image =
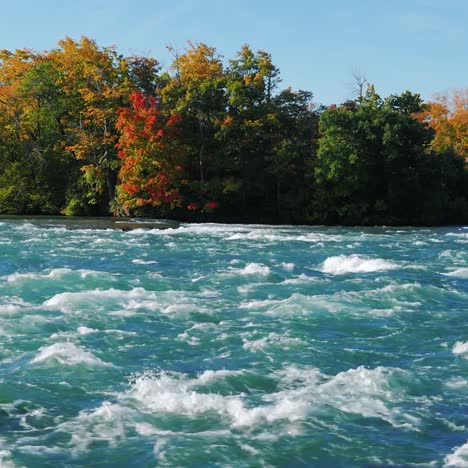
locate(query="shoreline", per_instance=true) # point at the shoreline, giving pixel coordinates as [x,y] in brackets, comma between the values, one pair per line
[130,223]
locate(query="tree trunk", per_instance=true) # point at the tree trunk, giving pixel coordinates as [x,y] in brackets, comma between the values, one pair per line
[201,152]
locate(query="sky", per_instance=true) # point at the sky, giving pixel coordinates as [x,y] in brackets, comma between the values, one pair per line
[420,45]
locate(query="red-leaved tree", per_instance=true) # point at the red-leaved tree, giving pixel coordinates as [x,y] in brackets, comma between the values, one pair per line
[152,170]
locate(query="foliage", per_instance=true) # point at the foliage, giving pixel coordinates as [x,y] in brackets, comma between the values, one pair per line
[151,168]
[376,164]
[85,130]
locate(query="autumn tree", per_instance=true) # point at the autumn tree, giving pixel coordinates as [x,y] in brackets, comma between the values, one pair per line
[85,130]
[92,83]
[447,115]
[152,158]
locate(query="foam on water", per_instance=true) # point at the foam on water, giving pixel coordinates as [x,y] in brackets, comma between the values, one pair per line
[272,339]
[461,347]
[86,330]
[68,354]
[245,344]
[56,274]
[138,261]
[127,302]
[343,264]
[457,459]
[136,297]
[107,423]
[457,382]
[459,272]
[13,305]
[365,392]
[255,269]
[5,459]
[463,235]
[175,394]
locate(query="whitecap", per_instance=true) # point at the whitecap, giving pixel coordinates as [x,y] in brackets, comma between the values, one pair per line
[457,382]
[209,376]
[255,269]
[460,347]
[458,458]
[255,304]
[86,330]
[14,305]
[463,235]
[301,279]
[56,273]
[366,392]
[133,299]
[166,393]
[68,354]
[138,261]
[460,273]
[343,264]
[272,339]
[5,459]
[105,423]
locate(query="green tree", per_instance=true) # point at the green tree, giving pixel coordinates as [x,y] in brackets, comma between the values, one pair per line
[32,112]
[196,91]
[250,131]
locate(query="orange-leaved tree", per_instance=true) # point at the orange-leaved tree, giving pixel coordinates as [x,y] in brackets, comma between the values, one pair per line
[94,87]
[447,114]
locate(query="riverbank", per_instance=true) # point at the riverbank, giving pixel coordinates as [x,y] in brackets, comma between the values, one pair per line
[131,223]
[78,222]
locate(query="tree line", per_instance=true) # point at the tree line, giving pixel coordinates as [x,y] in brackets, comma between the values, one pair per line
[85,130]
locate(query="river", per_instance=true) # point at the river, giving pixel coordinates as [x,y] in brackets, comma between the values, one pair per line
[232,345]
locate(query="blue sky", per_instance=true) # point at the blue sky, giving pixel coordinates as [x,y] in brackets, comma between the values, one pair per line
[421,45]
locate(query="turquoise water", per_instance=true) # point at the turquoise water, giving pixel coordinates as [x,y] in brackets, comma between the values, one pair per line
[217,345]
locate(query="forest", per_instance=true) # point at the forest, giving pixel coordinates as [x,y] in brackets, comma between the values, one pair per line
[86,131]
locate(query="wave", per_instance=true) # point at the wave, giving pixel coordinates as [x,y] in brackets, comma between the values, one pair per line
[137,297]
[251,232]
[272,339]
[381,301]
[138,261]
[276,235]
[83,330]
[343,264]
[457,459]
[128,302]
[460,273]
[68,354]
[461,347]
[255,269]
[5,459]
[56,273]
[463,235]
[86,330]
[13,305]
[365,392]
[111,421]
[105,423]
[457,382]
